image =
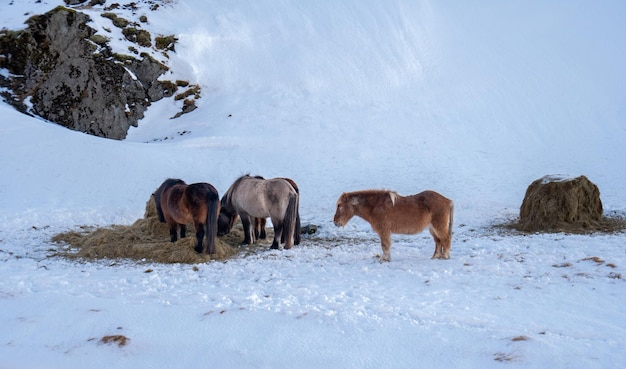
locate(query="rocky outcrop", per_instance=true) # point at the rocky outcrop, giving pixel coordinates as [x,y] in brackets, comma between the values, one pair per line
[62,71]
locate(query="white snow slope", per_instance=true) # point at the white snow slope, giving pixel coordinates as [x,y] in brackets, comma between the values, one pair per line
[472,100]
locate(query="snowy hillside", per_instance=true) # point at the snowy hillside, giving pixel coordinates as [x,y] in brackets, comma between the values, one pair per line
[474,102]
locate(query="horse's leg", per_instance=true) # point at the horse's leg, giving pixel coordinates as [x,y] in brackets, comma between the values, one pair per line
[385,243]
[183,231]
[199,237]
[440,230]
[173,232]
[444,243]
[445,233]
[438,248]
[278,233]
[259,228]
[246,222]
[263,233]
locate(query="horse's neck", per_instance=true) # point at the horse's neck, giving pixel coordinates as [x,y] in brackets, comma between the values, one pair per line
[366,215]
[365,208]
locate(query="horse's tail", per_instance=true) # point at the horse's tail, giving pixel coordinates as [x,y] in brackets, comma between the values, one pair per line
[297,237]
[451,221]
[212,214]
[289,221]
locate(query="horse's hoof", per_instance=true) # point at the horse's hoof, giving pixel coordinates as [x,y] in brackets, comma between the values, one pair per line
[273,247]
[383,258]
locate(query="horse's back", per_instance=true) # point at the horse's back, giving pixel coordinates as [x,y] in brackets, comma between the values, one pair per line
[168,183]
[430,199]
[292,183]
[423,206]
[262,198]
[282,185]
[200,191]
[433,205]
[198,196]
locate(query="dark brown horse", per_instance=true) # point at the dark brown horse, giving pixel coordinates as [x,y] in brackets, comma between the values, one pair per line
[253,197]
[387,213]
[178,203]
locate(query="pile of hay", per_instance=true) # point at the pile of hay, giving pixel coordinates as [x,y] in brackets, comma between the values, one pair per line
[557,204]
[146,240]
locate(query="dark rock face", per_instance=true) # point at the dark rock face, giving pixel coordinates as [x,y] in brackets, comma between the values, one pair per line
[66,76]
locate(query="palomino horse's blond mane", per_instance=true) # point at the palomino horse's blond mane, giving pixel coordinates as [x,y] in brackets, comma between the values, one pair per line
[393,195]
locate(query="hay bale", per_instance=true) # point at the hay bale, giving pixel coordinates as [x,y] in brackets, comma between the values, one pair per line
[556,204]
[151,210]
[146,240]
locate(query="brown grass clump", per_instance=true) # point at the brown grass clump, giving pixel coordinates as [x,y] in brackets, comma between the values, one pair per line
[118,339]
[595,259]
[145,240]
[573,205]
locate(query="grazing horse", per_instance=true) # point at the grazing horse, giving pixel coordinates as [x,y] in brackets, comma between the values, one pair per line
[251,197]
[387,213]
[259,223]
[230,218]
[178,203]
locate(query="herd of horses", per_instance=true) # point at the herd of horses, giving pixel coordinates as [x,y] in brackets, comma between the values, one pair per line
[253,199]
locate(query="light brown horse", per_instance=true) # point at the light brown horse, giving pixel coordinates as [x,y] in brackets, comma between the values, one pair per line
[387,213]
[178,203]
[252,197]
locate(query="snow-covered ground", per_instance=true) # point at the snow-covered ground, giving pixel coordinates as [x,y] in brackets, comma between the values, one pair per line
[475,102]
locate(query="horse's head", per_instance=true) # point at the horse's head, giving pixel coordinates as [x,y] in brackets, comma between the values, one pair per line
[346,208]
[226,219]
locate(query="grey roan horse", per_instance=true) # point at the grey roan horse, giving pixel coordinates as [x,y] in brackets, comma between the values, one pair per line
[253,197]
[259,223]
